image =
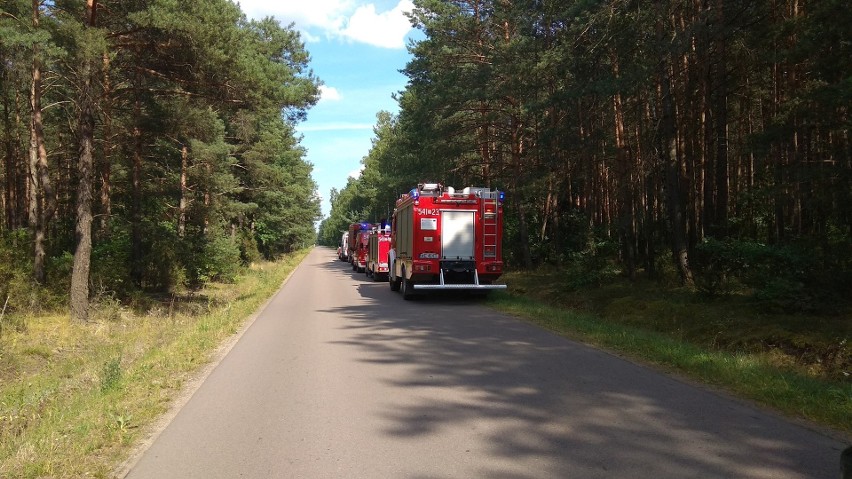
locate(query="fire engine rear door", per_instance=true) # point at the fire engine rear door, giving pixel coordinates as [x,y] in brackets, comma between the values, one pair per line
[457,237]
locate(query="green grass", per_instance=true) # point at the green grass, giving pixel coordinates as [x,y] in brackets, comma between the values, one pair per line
[796,364]
[74,398]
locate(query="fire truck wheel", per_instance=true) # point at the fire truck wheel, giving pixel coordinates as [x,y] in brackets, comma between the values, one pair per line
[405,288]
[393,280]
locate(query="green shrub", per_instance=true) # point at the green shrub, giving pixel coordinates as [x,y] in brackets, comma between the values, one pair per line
[110,374]
[213,257]
[788,276]
[716,264]
[106,306]
[249,252]
[222,255]
[111,264]
[18,292]
[164,259]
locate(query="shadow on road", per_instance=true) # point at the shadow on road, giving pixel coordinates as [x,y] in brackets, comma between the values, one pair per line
[575,410]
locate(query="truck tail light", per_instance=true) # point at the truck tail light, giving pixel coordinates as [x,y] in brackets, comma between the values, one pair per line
[422,267]
[493,268]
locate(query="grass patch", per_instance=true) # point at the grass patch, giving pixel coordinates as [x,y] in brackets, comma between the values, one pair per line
[794,363]
[75,398]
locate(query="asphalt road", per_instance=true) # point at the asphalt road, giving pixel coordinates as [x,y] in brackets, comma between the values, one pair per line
[340,378]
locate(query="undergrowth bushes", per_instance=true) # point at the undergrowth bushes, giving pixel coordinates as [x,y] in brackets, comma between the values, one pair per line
[789,277]
[18,290]
[166,264]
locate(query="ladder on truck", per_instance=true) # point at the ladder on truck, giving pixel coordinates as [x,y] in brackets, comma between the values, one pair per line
[489,225]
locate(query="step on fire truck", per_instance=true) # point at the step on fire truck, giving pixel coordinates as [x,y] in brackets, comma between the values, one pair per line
[443,239]
[377,252]
[359,233]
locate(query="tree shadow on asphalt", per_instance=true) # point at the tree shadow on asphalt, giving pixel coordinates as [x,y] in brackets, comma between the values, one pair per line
[571,409]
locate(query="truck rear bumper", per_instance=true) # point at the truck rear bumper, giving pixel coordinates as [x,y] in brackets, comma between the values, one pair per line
[472,286]
[459,286]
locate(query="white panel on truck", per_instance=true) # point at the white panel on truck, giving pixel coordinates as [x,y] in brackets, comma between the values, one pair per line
[457,234]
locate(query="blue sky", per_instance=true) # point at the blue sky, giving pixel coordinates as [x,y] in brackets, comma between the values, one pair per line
[357,48]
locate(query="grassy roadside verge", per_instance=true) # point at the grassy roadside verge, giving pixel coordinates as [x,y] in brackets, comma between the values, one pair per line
[75,398]
[767,376]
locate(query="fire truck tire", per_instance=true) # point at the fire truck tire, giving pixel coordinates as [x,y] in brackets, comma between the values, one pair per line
[405,288]
[393,280]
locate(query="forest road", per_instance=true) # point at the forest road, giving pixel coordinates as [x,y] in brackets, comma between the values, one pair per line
[338,377]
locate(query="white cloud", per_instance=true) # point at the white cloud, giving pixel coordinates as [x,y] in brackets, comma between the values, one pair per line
[329,93]
[356,20]
[325,14]
[356,173]
[308,38]
[386,29]
[334,126]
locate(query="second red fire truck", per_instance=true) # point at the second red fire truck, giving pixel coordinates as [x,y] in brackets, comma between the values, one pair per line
[359,234]
[377,252]
[444,239]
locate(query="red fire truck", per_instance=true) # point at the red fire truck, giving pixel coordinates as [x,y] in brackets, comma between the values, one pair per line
[359,234]
[377,252]
[444,239]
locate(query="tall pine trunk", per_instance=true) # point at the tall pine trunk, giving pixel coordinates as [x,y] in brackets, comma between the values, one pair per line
[523,226]
[184,191]
[85,164]
[672,164]
[624,179]
[106,165]
[10,157]
[136,266]
[41,192]
[719,106]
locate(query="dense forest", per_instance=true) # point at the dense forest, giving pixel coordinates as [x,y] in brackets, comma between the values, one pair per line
[706,139]
[146,145]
